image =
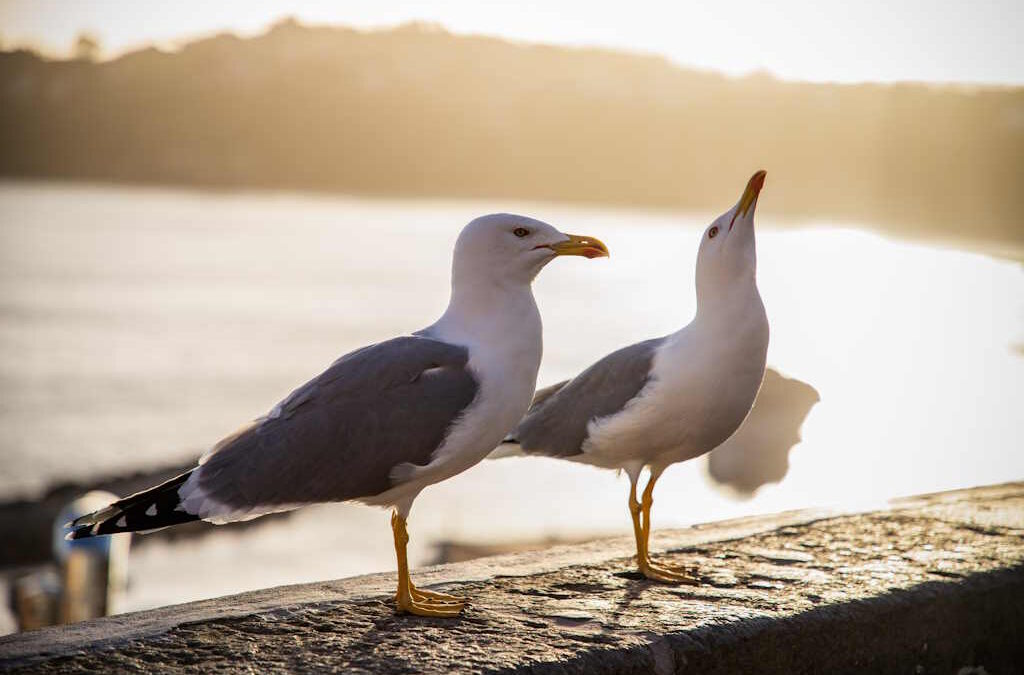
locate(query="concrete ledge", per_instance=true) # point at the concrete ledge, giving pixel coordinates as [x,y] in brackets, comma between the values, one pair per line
[934,584]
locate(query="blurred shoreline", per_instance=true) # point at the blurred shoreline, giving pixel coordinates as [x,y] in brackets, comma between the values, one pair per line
[417,112]
[1002,248]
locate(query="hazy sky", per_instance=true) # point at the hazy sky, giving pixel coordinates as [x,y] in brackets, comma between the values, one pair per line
[843,40]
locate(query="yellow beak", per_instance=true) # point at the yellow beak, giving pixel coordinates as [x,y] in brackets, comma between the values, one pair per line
[754,186]
[588,247]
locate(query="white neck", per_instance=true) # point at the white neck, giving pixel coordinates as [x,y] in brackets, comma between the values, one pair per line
[492,317]
[727,302]
[501,327]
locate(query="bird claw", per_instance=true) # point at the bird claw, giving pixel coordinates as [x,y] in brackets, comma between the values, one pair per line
[434,597]
[419,594]
[427,607]
[669,575]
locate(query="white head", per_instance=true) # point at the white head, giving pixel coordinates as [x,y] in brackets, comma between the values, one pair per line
[504,249]
[727,258]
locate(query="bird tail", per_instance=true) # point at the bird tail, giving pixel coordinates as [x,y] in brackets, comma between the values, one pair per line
[145,511]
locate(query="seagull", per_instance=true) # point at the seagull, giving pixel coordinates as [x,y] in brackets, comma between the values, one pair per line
[669,399]
[385,421]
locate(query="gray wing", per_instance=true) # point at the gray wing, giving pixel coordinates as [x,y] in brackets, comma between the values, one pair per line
[339,436]
[556,424]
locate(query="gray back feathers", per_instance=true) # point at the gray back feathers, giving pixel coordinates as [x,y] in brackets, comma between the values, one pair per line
[556,424]
[339,436]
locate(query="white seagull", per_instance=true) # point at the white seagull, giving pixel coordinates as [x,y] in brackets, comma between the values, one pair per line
[672,398]
[385,421]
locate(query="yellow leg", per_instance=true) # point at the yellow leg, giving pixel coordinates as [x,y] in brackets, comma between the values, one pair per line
[641,513]
[638,531]
[408,598]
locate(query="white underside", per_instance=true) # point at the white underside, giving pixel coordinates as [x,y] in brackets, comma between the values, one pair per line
[703,384]
[196,501]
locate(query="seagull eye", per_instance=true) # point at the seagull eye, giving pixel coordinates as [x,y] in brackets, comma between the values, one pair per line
[520,232]
[713,232]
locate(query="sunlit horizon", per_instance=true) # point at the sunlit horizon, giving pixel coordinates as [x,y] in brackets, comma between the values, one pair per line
[955,43]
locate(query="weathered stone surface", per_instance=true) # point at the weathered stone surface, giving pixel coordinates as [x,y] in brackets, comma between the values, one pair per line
[934,585]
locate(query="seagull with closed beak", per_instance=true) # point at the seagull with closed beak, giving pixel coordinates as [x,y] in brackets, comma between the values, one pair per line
[385,421]
[673,398]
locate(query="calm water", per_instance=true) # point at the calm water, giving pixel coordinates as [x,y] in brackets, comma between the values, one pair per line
[137,326]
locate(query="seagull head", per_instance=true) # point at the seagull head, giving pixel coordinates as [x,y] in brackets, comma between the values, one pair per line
[507,248]
[727,255]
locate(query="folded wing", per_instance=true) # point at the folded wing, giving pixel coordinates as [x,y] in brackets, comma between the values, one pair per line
[339,436]
[557,422]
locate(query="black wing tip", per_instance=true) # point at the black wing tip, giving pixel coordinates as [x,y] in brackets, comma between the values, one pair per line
[114,518]
[87,519]
[97,516]
[80,532]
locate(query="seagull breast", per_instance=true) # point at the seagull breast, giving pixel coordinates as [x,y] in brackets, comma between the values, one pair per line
[702,383]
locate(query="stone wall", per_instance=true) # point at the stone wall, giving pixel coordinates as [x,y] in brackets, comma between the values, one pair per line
[934,584]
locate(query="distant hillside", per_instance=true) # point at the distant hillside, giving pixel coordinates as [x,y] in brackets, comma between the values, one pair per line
[417,111]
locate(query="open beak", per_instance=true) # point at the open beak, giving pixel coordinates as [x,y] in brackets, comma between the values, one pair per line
[588,247]
[749,197]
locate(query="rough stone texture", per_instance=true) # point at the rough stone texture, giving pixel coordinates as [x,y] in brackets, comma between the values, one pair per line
[936,584]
